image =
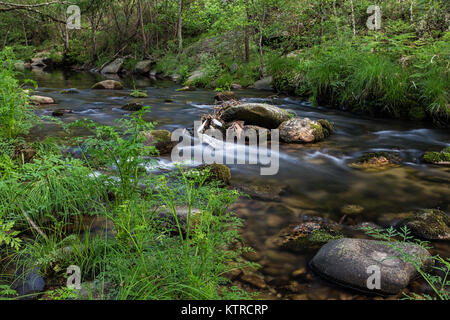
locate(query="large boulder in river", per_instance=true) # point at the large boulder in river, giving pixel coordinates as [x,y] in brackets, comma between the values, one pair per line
[143,67]
[350,262]
[113,67]
[258,114]
[304,130]
[108,84]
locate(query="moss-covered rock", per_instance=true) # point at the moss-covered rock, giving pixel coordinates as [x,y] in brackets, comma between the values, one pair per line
[430,224]
[306,235]
[218,172]
[304,130]
[376,161]
[352,209]
[161,139]
[138,94]
[442,157]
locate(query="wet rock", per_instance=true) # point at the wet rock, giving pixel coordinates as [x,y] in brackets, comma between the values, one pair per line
[304,130]
[352,209]
[258,114]
[69,91]
[441,158]
[143,67]
[113,67]
[161,139]
[187,88]
[430,224]
[61,112]
[236,86]
[225,96]
[41,100]
[306,235]
[108,84]
[376,161]
[264,84]
[133,106]
[346,262]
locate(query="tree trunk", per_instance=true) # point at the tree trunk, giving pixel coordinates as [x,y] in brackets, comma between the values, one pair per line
[180,25]
[141,22]
[353,18]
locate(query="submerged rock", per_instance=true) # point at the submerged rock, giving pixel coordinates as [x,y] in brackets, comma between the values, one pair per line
[133,106]
[348,262]
[41,100]
[258,114]
[441,158]
[161,139]
[108,84]
[352,209]
[429,224]
[376,161]
[265,192]
[304,130]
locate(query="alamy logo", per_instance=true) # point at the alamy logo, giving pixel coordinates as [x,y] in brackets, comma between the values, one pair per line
[74,279]
[374,280]
[374,21]
[74,19]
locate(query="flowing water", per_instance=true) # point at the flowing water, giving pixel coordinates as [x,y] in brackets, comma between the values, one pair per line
[315,178]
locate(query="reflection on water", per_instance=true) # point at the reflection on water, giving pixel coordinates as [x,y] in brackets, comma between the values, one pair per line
[315,178]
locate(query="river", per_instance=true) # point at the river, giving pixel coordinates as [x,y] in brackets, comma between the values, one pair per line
[315,178]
